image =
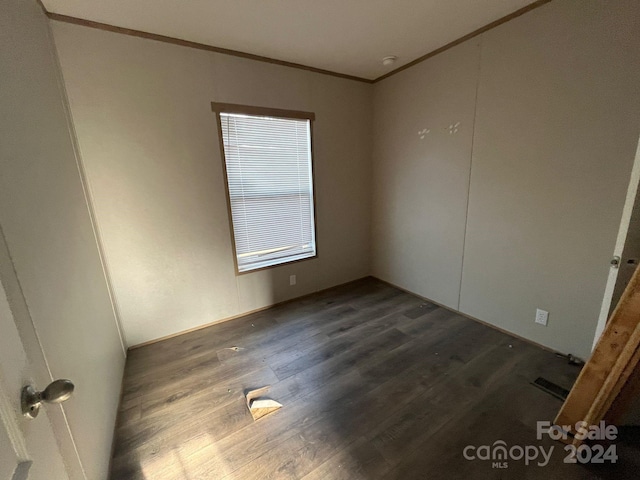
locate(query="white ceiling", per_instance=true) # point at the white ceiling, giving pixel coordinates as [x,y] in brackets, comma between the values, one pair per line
[346,36]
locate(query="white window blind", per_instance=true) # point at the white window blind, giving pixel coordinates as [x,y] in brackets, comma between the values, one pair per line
[268,163]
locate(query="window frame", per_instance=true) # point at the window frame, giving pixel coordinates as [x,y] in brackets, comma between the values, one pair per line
[219,108]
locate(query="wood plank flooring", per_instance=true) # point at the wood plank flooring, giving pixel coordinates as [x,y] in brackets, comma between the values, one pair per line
[375,383]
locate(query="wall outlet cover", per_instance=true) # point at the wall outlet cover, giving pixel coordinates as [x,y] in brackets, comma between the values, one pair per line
[292,279]
[542,317]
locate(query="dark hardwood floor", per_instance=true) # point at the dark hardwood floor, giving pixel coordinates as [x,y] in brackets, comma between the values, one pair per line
[375,383]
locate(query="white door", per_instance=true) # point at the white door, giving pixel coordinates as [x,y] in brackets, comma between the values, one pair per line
[627,249]
[630,255]
[28,447]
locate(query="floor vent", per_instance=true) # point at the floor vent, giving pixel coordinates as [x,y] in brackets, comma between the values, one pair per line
[551,388]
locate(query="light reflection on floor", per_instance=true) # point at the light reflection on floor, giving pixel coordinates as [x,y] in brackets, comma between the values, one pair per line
[197,452]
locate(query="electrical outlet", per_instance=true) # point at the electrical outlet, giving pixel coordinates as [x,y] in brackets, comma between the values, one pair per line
[292,279]
[542,316]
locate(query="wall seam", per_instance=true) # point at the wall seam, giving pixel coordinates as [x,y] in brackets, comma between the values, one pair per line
[473,137]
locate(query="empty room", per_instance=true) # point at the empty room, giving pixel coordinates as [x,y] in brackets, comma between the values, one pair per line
[296,239]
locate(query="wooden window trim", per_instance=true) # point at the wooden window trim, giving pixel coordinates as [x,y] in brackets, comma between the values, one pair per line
[262,111]
[219,108]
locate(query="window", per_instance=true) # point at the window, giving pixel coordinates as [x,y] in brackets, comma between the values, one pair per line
[269,177]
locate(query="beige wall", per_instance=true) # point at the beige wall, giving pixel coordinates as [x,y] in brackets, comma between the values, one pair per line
[50,240]
[149,144]
[556,125]
[499,172]
[422,136]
